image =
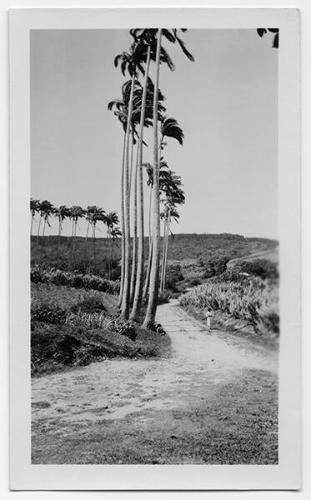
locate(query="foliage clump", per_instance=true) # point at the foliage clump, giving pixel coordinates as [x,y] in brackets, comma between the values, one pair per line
[214,266]
[76,280]
[174,275]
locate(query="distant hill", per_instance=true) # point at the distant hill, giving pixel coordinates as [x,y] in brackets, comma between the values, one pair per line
[182,247]
[206,246]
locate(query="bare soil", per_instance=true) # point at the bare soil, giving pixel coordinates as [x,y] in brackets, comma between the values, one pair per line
[213,400]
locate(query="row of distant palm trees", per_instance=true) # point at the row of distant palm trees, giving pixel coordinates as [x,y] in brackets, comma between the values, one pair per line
[141,106]
[92,214]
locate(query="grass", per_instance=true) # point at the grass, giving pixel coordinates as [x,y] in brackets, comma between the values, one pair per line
[72,328]
[238,424]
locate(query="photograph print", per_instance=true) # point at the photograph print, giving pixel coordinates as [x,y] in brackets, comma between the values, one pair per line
[154,246]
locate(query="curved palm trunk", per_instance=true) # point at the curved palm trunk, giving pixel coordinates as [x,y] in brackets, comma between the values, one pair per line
[149,221]
[166,248]
[32,219]
[43,227]
[147,278]
[122,225]
[59,234]
[127,249]
[154,272]
[110,251]
[140,264]
[134,246]
[163,255]
[38,232]
[165,251]
[131,159]
[94,246]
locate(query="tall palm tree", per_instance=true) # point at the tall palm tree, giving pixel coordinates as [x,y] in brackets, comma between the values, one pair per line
[76,212]
[145,109]
[120,106]
[97,216]
[61,213]
[46,210]
[130,62]
[149,171]
[144,104]
[121,111]
[171,187]
[153,287]
[34,209]
[89,214]
[173,37]
[111,221]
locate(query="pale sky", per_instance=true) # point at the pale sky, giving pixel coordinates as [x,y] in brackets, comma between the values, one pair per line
[226,103]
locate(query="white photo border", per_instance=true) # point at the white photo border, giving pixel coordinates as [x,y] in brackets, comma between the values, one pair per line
[285,475]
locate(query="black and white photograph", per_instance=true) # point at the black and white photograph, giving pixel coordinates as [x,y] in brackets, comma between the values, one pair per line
[154,245]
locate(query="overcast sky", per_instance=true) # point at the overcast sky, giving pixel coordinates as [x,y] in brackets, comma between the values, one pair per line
[226,103]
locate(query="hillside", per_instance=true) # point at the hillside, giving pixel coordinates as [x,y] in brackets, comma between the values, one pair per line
[182,247]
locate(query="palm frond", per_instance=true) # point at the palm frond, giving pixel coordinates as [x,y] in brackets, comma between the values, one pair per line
[170,128]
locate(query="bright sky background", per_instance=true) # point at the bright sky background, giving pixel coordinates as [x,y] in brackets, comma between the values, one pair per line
[226,103]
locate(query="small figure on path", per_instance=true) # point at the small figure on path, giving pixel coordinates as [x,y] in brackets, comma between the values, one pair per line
[208,315]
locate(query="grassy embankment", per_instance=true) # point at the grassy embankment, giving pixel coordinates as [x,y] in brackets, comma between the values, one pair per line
[243,298]
[73,327]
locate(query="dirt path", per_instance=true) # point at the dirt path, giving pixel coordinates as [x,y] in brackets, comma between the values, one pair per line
[124,411]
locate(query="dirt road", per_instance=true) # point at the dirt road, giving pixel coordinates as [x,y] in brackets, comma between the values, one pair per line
[213,401]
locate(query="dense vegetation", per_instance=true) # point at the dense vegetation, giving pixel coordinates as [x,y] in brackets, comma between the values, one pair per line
[70,327]
[73,279]
[187,249]
[248,291]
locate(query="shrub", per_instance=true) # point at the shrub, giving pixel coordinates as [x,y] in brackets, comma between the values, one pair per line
[57,277]
[125,327]
[49,343]
[36,275]
[195,281]
[48,313]
[164,297]
[173,276]
[215,266]
[76,280]
[90,303]
[263,268]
